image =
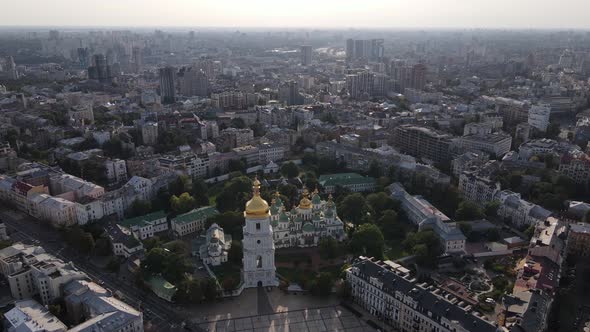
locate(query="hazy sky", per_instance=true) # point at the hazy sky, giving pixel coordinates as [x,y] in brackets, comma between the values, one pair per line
[299,13]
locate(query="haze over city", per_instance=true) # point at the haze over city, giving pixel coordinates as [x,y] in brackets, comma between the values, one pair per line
[540,14]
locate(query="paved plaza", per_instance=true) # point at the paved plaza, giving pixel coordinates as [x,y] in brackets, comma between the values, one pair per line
[307,320]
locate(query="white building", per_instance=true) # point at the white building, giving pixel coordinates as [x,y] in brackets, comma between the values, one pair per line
[518,211]
[389,293]
[497,144]
[144,227]
[192,221]
[478,189]
[116,170]
[258,243]
[31,316]
[539,116]
[217,244]
[31,271]
[123,243]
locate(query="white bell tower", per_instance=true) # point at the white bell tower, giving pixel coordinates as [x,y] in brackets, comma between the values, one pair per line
[258,244]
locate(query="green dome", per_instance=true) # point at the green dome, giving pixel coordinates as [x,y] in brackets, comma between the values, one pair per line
[329,213]
[308,227]
[316,199]
[283,217]
[316,217]
[274,209]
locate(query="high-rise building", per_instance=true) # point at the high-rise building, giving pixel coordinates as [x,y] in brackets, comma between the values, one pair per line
[289,93]
[539,116]
[83,57]
[422,142]
[360,85]
[149,133]
[167,85]
[8,68]
[137,55]
[306,51]
[258,243]
[369,49]
[100,70]
[194,82]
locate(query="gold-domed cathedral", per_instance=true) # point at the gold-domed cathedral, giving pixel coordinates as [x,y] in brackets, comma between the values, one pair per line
[258,243]
[305,224]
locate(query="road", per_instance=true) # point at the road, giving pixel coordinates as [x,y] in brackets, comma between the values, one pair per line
[27,229]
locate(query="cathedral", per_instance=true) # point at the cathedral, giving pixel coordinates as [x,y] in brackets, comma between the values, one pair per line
[267,227]
[305,224]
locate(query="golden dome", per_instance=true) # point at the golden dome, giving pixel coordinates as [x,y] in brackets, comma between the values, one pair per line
[305,203]
[256,207]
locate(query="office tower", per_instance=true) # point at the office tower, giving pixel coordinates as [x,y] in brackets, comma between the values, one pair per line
[418,76]
[370,49]
[379,85]
[167,85]
[349,49]
[99,70]
[137,58]
[83,57]
[306,55]
[289,93]
[360,85]
[194,82]
[8,70]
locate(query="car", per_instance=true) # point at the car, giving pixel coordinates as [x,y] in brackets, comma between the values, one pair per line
[489,300]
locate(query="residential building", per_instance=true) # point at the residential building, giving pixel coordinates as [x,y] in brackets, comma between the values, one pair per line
[31,316]
[389,293]
[145,227]
[306,52]
[478,188]
[81,115]
[575,166]
[193,82]
[116,170]
[61,183]
[190,164]
[467,161]
[3,233]
[578,240]
[270,152]
[123,242]
[350,181]
[539,116]
[496,144]
[192,221]
[477,128]
[549,240]
[149,133]
[167,84]
[518,211]
[422,142]
[30,271]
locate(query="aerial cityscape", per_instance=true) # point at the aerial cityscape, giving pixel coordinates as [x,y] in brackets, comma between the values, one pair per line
[196,169]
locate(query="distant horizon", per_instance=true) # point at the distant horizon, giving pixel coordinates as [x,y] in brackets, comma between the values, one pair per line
[332,14]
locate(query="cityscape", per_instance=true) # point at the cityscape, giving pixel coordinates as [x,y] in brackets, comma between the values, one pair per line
[264,173]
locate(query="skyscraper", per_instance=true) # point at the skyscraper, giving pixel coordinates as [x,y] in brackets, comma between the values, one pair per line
[99,70]
[167,85]
[360,85]
[369,49]
[289,93]
[137,55]
[349,49]
[306,55]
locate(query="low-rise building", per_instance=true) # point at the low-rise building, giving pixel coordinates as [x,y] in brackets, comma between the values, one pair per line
[123,243]
[192,221]
[518,211]
[31,316]
[350,181]
[162,288]
[214,250]
[144,227]
[496,144]
[478,188]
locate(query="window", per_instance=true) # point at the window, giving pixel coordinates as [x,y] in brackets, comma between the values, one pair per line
[259,262]
[258,241]
[257,226]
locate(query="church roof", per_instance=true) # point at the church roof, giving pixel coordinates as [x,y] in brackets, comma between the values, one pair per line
[308,227]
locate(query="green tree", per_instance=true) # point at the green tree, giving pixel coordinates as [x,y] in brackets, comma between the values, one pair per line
[425,245]
[140,208]
[491,208]
[367,240]
[234,194]
[391,226]
[380,202]
[375,169]
[237,123]
[231,222]
[183,203]
[468,211]
[353,208]
[322,284]
[209,288]
[329,248]
[236,165]
[236,252]
[290,170]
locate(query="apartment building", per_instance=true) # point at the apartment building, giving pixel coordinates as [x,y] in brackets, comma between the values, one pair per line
[422,142]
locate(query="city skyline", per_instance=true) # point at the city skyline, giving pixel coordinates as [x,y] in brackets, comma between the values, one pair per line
[526,14]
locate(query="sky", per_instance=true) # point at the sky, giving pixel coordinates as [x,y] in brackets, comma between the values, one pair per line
[542,14]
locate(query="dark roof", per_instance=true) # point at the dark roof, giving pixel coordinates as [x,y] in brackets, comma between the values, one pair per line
[427,301]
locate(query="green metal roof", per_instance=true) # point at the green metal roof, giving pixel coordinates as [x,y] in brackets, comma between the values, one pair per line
[316,199]
[308,227]
[160,285]
[196,214]
[344,179]
[143,220]
[283,217]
